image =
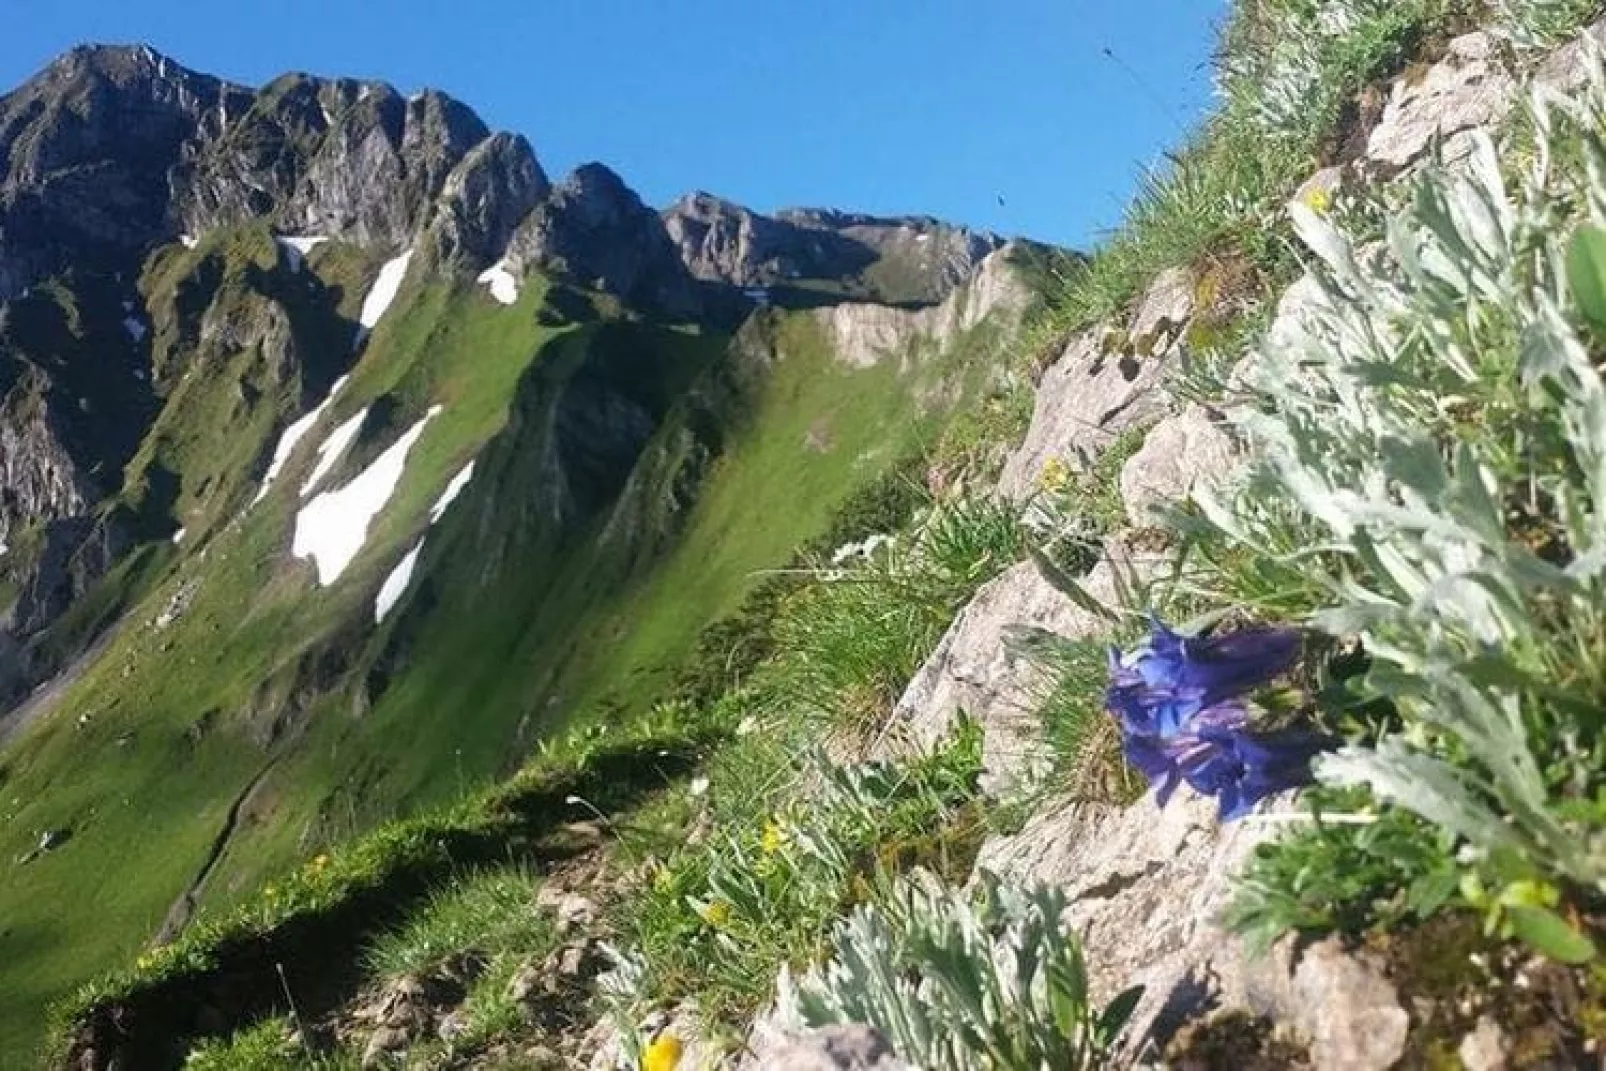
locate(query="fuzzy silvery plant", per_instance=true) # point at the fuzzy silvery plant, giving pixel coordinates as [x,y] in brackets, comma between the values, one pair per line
[1279,67]
[1431,437]
[967,980]
[1542,23]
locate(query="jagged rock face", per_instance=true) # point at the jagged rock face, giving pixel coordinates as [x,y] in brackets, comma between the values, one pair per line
[85,151]
[110,151]
[907,260]
[343,158]
[486,196]
[593,230]
[919,259]
[724,242]
[40,480]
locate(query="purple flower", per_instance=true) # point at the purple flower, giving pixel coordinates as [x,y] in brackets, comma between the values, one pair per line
[1179,702]
[1166,762]
[1240,768]
[1220,756]
[1158,688]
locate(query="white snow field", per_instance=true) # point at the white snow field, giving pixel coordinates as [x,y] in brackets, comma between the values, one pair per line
[332,528]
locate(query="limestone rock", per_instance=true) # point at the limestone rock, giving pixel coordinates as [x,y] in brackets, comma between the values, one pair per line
[973,670]
[1164,312]
[595,231]
[836,1048]
[1347,1009]
[919,260]
[1486,1048]
[485,197]
[1147,887]
[863,334]
[909,260]
[1469,88]
[1178,453]
[1146,884]
[1085,399]
[1567,69]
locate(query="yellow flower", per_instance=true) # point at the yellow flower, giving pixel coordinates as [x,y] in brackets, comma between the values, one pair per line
[269,892]
[662,1054]
[1055,477]
[1319,200]
[775,837]
[318,864]
[717,913]
[145,962]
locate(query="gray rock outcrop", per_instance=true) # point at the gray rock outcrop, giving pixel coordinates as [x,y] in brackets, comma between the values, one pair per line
[497,184]
[911,260]
[1178,454]
[594,230]
[862,334]
[1469,88]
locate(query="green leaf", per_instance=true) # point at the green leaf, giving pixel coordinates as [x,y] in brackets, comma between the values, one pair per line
[1550,934]
[1586,273]
[1117,1012]
[1062,582]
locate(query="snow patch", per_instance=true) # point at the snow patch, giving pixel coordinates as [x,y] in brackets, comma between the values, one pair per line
[331,449]
[331,528]
[297,246]
[178,536]
[381,294]
[188,241]
[504,285]
[293,435]
[395,585]
[453,488]
[135,329]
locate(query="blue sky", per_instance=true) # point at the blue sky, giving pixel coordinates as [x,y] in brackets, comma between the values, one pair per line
[937,107]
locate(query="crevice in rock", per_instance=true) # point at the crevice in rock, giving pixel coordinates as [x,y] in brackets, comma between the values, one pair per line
[1116,884]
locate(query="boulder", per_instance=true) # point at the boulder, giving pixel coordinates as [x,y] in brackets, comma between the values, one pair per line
[1467,89]
[1178,453]
[1084,400]
[1567,69]
[835,1048]
[1166,308]
[1147,886]
[975,671]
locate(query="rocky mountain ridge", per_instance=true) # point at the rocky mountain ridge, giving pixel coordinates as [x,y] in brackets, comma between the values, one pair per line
[336,436]
[112,152]
[117,149]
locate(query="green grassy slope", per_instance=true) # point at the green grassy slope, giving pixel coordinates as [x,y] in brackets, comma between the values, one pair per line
[568,580]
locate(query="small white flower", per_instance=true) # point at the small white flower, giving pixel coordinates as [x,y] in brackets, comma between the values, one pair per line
[747,727]
[698,786]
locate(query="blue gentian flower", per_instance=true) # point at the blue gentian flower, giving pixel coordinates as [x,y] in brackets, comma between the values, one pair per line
[1160,686]
[1167,762]
[1240,768]
[1179,702]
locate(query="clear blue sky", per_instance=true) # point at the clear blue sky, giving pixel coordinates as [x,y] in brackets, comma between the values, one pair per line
[888,106]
